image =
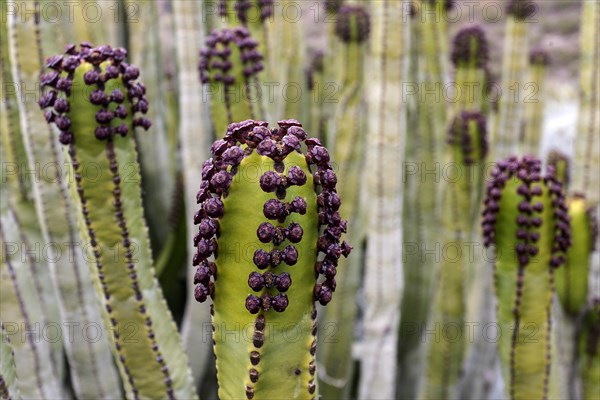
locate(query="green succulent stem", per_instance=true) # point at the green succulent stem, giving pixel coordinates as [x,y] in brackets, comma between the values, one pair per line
[66,286]
[507,128]
[9,386]
[383,275]
[262,228]
[526,219]
[94,128]
[531,138]
[590,352]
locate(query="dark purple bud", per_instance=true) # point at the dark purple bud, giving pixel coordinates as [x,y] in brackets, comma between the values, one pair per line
[253,304]
[262,259]
[205,248]
[208,228]
[320,154]
[102,132]
[525,207]
[256,281]
[202,275]
[233,155]
[111,72]
[131,73]
[283,282]
[64,84]
[276,256]
[201,293]
[536,191]
[61,106]
[98,97]
[267,148]
[290,255]
[328,179]
[298,205]
[265,300]
[142,122]
[328,269]
[47,99]
[521,234]
[291,142]
[280,302]
[536,221]
[296,176]
[274,209]
[121,111]
[538,207]
[270,181]
[62,122]
[325,295]
[54,62]
[294,232]
[346,249]
[265,232]
[49,79]
[65,138]
[219,147]
[104,116]
[269,279]
[298,132]
[122,130]
[91,77]
[221,181]
[117,96]
[214,208]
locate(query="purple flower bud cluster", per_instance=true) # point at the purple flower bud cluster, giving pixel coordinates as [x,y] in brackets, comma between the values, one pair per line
[532,187]
[244,7]
[539,56]
[353,24]
[521,9]
[240,140]
[216,63]
[470,47]
[459,134]
[59,78]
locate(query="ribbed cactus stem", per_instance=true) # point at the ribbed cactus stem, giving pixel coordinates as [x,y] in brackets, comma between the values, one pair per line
[562,167]
[383,276]
[526,218]
[572,280]
[508,127]
[467,150]
[590,352]
[9,388]
[260,218]
[531,137]
[587,153]
[470,57]
[92,97]
[228,67]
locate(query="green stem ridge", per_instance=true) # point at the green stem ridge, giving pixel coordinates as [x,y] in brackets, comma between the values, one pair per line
[91,96]
[227,225]
[590,352]
[9,388]
[229,65]
[525,217]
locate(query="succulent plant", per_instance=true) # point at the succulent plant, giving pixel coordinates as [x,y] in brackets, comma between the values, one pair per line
[508,127]
[45,216]
[470,55]
[467,139]
[590,352]
[228,65]
[531,136]
[92,97]
[9,388]
[383,280]
[260,217]
[572,279]
[525,218]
